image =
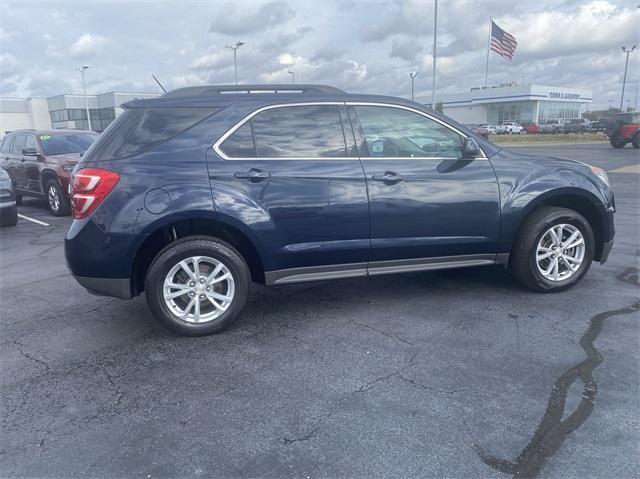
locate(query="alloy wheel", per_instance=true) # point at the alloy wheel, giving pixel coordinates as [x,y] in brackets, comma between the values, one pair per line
[560,252]
[198,289]
[54,198]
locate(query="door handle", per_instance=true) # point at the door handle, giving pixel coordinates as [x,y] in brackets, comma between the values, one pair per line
[388,177]
[254,174]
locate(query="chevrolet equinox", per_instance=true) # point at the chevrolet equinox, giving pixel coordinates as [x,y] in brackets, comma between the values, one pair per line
[192,196]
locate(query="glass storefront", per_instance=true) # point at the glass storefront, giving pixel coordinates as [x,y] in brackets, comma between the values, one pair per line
[520,111]
[559,110]
[100,118]
[533,111]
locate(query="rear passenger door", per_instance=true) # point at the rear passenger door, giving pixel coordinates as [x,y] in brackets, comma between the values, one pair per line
[289,173]
[428,204]
[16,162]
[31,167]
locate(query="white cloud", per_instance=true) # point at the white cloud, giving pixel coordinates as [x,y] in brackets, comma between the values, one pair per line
[87,44]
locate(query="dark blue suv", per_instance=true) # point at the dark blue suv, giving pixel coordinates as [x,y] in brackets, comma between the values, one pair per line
[192,196]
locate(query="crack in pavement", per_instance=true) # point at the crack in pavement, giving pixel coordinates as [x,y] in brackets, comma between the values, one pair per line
[365,387]
[384,333]
[552,429]
[26,355]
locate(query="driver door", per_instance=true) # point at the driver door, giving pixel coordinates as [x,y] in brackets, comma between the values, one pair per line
[427,203]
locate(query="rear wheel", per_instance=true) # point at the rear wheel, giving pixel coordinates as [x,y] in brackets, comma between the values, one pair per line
[18,200]
[57,200]
[197,286]
[617,143]
[554,250]
[636,141]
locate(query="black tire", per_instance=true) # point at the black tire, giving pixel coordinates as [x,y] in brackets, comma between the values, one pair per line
[185,248]
[18,200]
[616,143]
[523,257]
[636,141]
[57,201]
[8,216]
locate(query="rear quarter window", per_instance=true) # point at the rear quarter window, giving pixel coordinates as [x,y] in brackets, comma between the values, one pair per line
[139,129]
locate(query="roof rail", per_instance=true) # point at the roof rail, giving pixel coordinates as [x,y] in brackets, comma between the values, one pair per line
[209,90]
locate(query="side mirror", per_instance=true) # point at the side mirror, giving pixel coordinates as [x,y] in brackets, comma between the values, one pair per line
[471,149]
[29,152]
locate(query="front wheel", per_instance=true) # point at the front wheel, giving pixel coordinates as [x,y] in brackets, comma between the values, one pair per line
[636,141]
[616,143]
[56,200]
[553,250]
[197,286]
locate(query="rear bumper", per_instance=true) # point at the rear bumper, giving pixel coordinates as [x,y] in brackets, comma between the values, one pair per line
[114,287]
[99,261]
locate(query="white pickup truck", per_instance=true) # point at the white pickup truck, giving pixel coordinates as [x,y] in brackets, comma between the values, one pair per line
[510,128]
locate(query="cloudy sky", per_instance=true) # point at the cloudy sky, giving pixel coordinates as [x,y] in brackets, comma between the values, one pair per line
[361,46]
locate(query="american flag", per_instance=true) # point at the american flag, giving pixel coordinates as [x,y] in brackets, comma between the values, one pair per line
[503,43]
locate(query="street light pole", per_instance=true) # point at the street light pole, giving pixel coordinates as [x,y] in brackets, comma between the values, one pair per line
[86,101]
[412,75]
[234,48]
[435,38]
[626,64]
[293,77]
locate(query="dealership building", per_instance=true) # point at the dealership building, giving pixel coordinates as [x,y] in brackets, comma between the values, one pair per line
[63,111]
[521,103]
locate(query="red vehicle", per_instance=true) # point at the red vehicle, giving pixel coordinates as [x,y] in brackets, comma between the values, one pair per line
[40,162]
[531,127]
[625,128]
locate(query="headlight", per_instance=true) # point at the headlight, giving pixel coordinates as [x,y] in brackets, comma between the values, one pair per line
[600,173]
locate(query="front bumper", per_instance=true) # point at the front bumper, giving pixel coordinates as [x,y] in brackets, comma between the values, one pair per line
[606,249]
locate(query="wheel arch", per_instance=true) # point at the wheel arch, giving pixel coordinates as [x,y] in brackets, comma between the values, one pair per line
[576,199]
[167,231]
[46,175]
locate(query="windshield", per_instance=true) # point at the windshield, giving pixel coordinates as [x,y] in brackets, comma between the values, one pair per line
[64,143]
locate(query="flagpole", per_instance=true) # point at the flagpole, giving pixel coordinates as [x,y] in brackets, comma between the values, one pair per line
[435,40]
[486,73]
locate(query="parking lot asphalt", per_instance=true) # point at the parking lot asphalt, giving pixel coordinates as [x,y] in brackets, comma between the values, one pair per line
[457,373]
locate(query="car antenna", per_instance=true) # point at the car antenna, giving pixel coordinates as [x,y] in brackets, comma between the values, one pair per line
[158,82]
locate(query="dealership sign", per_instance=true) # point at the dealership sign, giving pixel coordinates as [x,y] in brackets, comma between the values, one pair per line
[564,95]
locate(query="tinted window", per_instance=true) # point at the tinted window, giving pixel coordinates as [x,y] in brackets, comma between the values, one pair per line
[393,132]
[30,142]
[60,144]
[18,144]
[313,131]
[240,144]
[139,129]
[6,144]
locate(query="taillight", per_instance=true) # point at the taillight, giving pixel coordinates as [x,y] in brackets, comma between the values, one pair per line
[88,188]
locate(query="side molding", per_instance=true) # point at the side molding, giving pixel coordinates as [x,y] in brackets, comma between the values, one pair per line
[354,270]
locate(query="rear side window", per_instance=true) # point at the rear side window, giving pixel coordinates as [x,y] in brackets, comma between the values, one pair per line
[18,144]
[6,145]
[310,131]
[240,144]
[138,129]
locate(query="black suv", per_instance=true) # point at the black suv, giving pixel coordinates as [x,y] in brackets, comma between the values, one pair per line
[192,196]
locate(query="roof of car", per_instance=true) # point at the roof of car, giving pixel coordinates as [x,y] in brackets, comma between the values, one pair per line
[49,131]
[224,95]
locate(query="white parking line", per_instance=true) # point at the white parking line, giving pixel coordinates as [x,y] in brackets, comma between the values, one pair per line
[38,222]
